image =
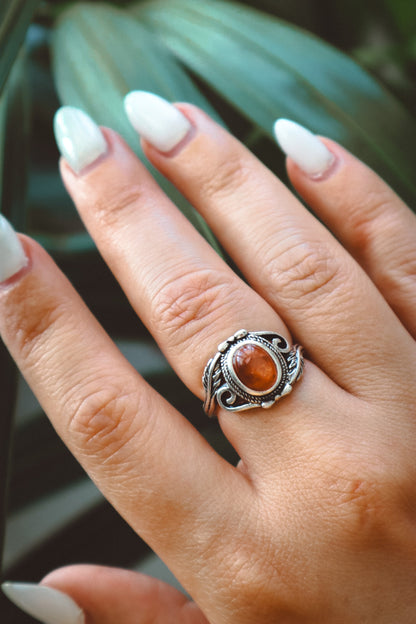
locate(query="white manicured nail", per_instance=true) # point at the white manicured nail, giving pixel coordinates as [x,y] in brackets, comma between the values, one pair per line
[156,120]
[44,603]
[79,139]
[303,147]
[12,256]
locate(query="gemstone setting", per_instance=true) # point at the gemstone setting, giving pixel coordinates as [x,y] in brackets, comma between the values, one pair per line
[251,369]
[254,367]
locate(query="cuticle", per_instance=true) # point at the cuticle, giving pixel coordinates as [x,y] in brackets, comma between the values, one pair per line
[16,277]
[108,152]
[92,165]
[189,136]
[329,171]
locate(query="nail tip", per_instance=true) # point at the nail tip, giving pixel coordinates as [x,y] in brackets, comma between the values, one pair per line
[128,104]
[301,145]
[137,96]
[12,254]
[282,122]
[79,138]
[45,603]
[64,112]
[285,127]
[156,119]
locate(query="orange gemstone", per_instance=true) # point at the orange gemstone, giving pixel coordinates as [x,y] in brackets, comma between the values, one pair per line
[255,368]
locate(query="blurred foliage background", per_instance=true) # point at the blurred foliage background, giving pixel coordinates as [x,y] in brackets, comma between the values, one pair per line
[345,69]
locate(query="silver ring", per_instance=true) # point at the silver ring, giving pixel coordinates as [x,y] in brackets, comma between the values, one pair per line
[251,369]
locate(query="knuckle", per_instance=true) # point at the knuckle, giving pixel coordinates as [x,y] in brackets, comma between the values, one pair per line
[306,269]
[190,303]
[365,221]
[361,501]
[115,205]
[37,322]
[378,216]
[370,506]
[249,574]
[245,583]
[228,177]
[104,420]
[400,275]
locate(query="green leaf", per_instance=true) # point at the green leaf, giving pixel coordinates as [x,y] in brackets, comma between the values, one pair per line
[404,15]
[412,48]
[267,69]
[14,148]
[15,17]
[13,177]
[99,55]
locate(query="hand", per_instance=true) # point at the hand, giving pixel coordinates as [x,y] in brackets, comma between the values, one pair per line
[317,522]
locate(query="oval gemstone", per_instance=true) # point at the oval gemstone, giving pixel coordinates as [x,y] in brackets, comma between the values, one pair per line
[255,368]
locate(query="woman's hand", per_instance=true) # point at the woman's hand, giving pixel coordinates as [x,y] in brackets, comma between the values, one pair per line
[317,522]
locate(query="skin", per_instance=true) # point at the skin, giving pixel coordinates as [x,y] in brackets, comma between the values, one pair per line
[317,522]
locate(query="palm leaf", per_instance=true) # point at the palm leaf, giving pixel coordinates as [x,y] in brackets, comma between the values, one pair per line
[13,178]
[267,68]
[100,54]
[15,17]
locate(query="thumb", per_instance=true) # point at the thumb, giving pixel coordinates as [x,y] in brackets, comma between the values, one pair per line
[88,594]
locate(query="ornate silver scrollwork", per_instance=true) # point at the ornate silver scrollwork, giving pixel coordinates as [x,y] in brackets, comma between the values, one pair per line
[225,388]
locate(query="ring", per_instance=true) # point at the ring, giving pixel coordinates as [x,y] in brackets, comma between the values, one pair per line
[251,369]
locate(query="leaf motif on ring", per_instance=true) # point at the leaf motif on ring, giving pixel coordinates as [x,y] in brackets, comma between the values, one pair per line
[229,403]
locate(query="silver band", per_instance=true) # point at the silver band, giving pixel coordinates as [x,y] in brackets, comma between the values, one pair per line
[231,380]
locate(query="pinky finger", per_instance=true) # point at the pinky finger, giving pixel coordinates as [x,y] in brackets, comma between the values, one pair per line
[88,594]
[363,212]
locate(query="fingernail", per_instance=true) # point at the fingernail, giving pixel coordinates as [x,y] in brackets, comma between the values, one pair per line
[44,603]
[12,255]
[156,120]
[303,147]
[79,139]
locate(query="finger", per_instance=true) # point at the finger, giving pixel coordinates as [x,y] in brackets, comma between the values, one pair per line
[110,595]
[184,292]
[150,463]
[370,220]
[287,255]
[89,594]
